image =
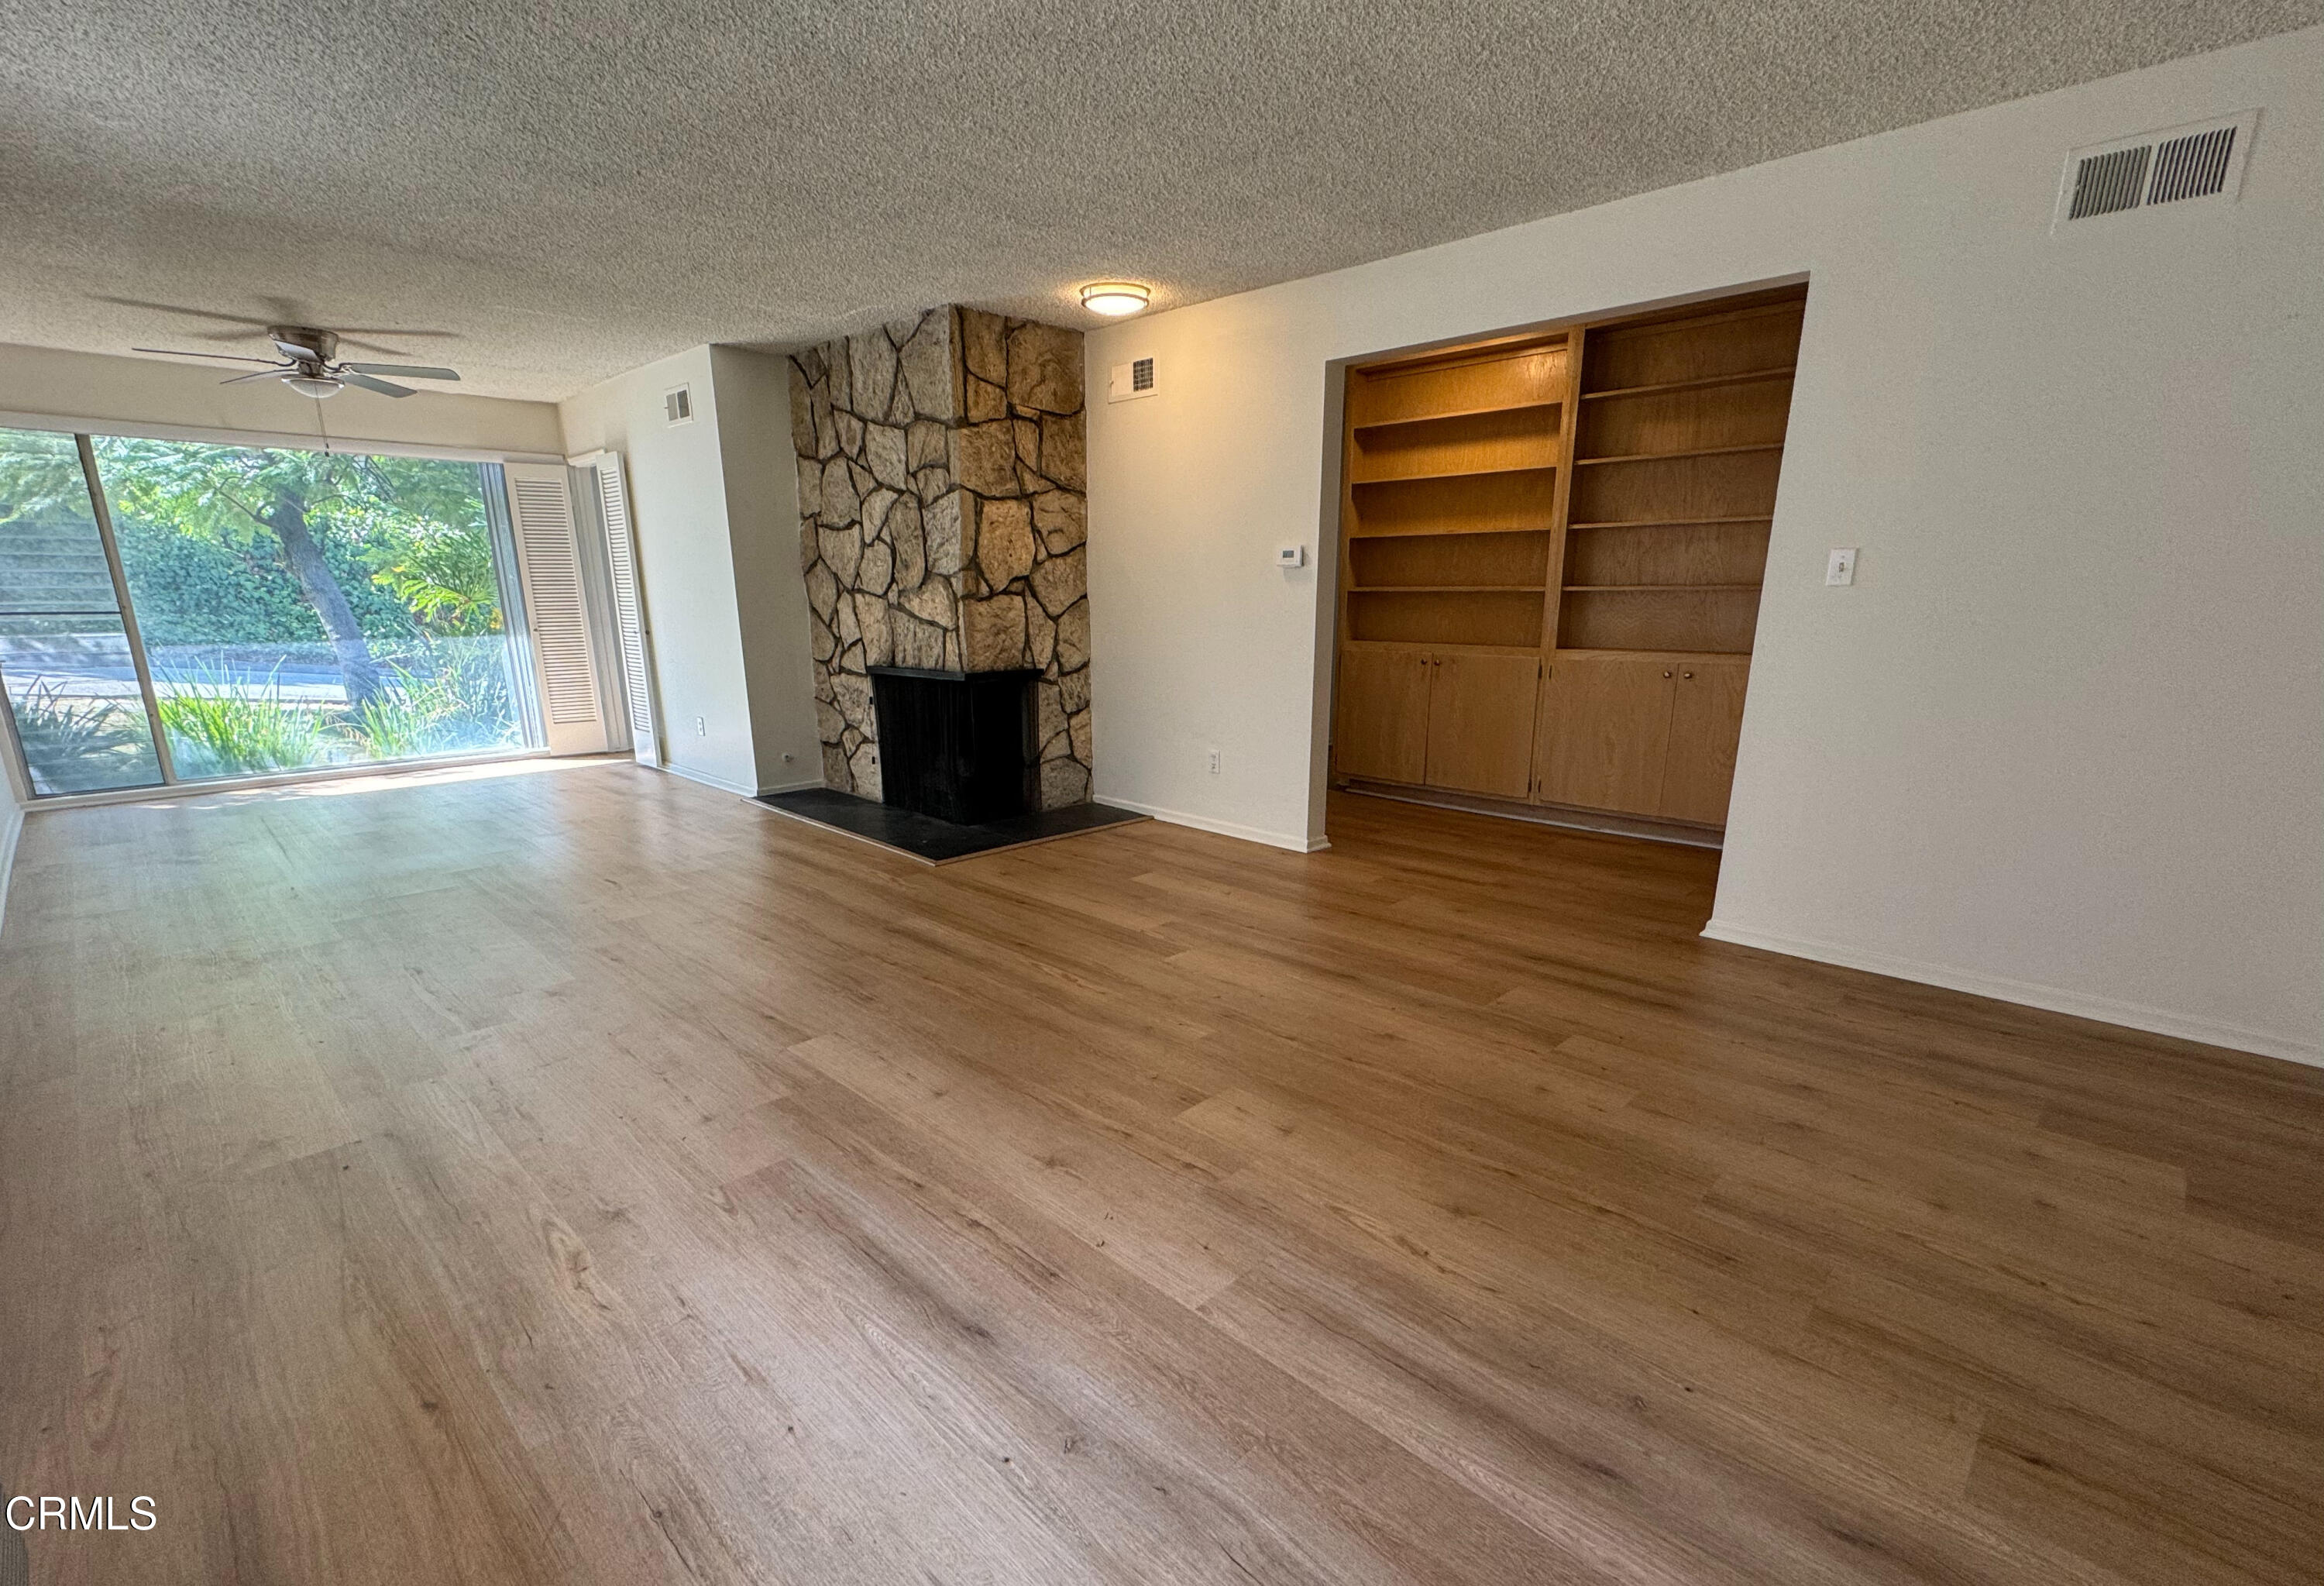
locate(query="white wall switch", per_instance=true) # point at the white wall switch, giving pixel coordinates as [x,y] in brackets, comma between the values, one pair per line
[1841,569]
[1214,762]
[1291,555]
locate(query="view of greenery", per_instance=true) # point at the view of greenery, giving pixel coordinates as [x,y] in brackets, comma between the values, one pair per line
[76,745]
[298,608]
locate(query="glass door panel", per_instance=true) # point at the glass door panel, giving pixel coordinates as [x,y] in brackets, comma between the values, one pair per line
[305,609]
[71,680]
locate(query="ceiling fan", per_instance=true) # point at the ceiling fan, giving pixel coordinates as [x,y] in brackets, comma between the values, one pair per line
[310,364]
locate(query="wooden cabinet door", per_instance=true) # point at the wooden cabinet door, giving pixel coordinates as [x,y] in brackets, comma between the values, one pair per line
[1605,732]
[1382,733]
[1480,721]
[1706,719]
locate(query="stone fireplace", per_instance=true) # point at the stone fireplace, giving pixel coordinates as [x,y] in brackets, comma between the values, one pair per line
[943,526]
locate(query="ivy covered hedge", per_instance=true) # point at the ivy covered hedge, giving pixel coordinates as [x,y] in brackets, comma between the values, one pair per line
[198,590]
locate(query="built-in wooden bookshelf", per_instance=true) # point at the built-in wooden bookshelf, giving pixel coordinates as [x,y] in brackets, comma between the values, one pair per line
[1598,497]
[1453,466]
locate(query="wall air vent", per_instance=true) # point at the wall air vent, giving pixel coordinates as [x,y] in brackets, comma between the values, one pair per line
[1133,379]
[2104,183]
[677,405]
[2174,165]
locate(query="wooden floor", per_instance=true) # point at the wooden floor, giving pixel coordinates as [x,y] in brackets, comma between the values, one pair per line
[583,1176]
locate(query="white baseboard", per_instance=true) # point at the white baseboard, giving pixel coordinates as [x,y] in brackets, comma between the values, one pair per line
[707,780]
[790,787]
[2081,1005]
[1202,823]
[12,826]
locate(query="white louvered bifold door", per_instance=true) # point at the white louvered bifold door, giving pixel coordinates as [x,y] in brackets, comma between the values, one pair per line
[548,560]
[630,620]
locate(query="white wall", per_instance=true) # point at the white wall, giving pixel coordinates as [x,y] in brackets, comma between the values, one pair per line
[155,395]
[762,474]
[2061,741]
[698,531]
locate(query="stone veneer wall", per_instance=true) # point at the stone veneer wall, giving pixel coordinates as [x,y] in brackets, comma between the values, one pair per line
[941,524]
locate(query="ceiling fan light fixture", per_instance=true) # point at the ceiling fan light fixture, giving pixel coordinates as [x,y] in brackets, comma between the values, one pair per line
[318,386]
[1115,298]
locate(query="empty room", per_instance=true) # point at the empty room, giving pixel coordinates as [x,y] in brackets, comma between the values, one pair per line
[971,794]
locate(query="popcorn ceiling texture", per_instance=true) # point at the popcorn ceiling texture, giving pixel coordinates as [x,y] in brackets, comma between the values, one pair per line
[562,193]
[941,524]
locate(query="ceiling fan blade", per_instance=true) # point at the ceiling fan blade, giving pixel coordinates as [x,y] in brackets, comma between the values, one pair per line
[406,335]
[256,325]
[381,386]
[255,375]
[229,357]
[408,371]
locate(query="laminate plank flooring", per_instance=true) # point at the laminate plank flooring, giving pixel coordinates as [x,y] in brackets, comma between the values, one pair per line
[574,1175]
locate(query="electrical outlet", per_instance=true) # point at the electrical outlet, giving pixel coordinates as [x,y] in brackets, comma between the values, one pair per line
[1841,569]
[701,728]
[1214,762]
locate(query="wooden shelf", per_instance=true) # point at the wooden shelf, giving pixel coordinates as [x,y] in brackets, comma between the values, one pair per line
[1703,383]
[1352,644]
[1451,473]
[1666,522]
[1448,588]
[1710,451]
[1479,412]
[1436,616]
[1416,531]
[1638,588]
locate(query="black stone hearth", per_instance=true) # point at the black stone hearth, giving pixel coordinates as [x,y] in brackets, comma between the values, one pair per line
[935,841]
[957,746]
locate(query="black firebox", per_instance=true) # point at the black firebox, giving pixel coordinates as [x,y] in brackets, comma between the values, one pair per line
[955,745]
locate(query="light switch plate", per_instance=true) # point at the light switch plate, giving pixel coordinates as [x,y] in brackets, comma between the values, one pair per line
[1291,555]
[1841,569]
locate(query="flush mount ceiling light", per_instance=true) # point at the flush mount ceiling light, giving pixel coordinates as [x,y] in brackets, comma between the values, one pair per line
[318,386]
[1114,298]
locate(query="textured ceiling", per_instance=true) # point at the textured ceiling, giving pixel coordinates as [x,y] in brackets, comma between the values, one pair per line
[565,192]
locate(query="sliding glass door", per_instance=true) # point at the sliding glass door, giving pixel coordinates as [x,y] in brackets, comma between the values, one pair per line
[285,609]
[73,685]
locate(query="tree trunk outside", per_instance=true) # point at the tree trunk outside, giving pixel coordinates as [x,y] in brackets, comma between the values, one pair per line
[287,517]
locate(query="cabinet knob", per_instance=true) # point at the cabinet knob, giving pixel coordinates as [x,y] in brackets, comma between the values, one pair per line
[1686,674]
[1665,671]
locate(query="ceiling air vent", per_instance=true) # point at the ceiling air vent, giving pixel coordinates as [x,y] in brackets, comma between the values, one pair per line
[2203,160]
[1133,379]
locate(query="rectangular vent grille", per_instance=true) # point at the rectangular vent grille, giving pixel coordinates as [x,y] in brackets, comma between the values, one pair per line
[1133,379]
[2192,167]
[2105,184]
[2171,166]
